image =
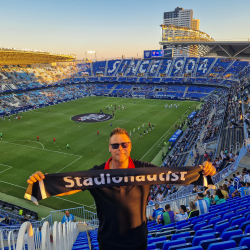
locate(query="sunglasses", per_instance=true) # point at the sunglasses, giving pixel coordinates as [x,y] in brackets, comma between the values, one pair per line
[123,144]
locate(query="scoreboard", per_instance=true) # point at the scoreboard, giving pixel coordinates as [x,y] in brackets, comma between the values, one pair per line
[164,53]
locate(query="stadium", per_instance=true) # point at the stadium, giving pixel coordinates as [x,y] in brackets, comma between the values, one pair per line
[183,106]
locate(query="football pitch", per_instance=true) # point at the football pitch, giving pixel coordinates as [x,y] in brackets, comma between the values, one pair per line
[21,154]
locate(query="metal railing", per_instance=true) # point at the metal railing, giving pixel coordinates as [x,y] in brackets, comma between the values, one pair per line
[231,168]
[245,125]
[175,203]
[64,237]
[80,214]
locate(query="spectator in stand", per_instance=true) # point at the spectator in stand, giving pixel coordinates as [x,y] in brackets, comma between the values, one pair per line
[7,218]
[239,175]
[193,210]
[201,204]
[247,176]
[68,217]
[167,217]
[219,197]
[226,182]
[194,190]
[159,197]
[224,192]
[151,201]
[242,191]
[183,215]
[236,179]
[230,187]
[248,186]
[208,198]
[156,212]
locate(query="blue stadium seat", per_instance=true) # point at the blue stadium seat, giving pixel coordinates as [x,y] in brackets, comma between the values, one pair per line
[180,226]
[208,227]
[247,229]
[196,221]
[180,235]
[221,222]
[159,244]
[201,232]
[238,221]
[181,246]
[167,244]
[193,218]
[234,218]
[231,228]
[245,242]
[239,248]
[164,233]
[242,212]
[228,215]
[164,228]
[244,224]
[153,240]
[188,239]
[222,213]
[183,230]
[198,239]
[220,228]
[222,245]
[192,248]
[208,216]
[226,235]
[199,226]
[237,238]
[215,220]
[151,247]
[191,226]
[205,243]
[181,222]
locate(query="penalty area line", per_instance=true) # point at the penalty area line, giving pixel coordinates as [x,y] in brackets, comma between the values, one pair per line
[51,196]
[69,164]
[30,141]
[8,167]
[38,148]
[12,184]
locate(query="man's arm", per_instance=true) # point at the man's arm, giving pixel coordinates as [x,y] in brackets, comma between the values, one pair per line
[208,168]
[159,218]
[38,175]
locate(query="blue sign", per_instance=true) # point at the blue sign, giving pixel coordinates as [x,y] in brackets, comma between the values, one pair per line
[168,53]
[191,116]
[157,53]
[147,53]
[175,136]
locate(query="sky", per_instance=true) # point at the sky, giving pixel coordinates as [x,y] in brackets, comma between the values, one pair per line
[111,28]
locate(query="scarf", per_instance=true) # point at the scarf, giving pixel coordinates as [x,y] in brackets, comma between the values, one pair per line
[68,183]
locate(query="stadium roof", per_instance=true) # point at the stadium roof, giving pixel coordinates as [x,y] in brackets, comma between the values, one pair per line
[231,49]
[25,57]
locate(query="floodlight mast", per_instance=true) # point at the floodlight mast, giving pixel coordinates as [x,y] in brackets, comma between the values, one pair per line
[90,52]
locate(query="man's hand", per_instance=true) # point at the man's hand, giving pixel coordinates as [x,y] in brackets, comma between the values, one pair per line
[208,168]
[37,176]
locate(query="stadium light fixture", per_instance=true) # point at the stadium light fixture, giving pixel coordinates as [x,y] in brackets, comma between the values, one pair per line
[90,52]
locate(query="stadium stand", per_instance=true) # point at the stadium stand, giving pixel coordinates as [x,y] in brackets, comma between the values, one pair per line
[112,67]
[220,121]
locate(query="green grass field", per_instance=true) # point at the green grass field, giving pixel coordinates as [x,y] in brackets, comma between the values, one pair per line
[21,155]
